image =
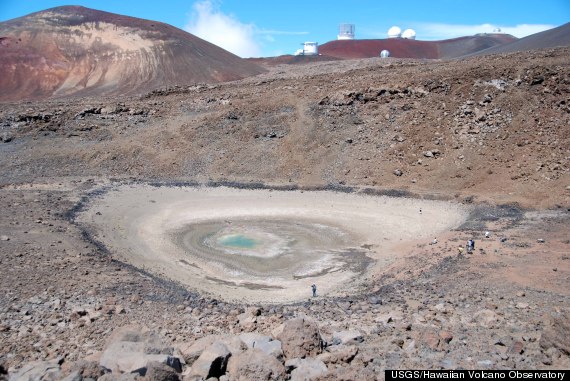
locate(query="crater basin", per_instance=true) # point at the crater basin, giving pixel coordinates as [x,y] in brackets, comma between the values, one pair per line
[262,246]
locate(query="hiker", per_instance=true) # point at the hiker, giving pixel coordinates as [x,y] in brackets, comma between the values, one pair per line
[460,250]
[314,288]
[470,246]
[420,210]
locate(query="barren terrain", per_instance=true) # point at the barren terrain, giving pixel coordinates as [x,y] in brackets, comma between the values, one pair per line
[489,134]
[77,51]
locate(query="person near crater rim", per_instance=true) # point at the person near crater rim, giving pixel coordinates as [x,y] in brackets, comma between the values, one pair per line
[314,288]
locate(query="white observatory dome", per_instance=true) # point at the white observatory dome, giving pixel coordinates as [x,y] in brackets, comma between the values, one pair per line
[394,32]
[409,34]
[497,30]
[384,53]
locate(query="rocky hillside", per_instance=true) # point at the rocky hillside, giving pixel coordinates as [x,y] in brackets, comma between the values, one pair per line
[79,51]
[551,38]
[489,128]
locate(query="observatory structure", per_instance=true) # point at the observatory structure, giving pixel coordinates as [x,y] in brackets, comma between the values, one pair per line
[345,32]
[409,34]
[384,53]
[394,32]
[309,49]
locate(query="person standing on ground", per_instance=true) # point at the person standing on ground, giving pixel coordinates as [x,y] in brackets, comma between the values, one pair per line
[314,288]
[470,246]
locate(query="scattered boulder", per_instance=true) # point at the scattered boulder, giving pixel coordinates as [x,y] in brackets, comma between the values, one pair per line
[432,153]
[300,338]
[338,354]
[251,339]
[88,369]
[347,337]
[277,331]
[191,351]
[248,320]
[486,318]
[128,357]
[6,137]
[39,370]
[374,300]
[480,115]
[254,365]
[212,362]
[517,348]
[157,371]
[131,349]
[445,337]
[273,348]
[264,343]
[399,138]
[306,369]
[557,334]
[430,339]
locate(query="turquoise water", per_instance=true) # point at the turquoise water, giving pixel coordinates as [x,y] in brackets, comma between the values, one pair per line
[238,241]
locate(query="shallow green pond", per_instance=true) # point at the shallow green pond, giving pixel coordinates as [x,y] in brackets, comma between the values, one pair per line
[238,241]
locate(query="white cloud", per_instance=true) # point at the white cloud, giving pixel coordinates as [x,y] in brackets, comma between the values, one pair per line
[223,30]
[524,30]
[445,31]
[226,31]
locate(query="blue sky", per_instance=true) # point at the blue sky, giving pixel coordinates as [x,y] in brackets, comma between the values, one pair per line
[269,28]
